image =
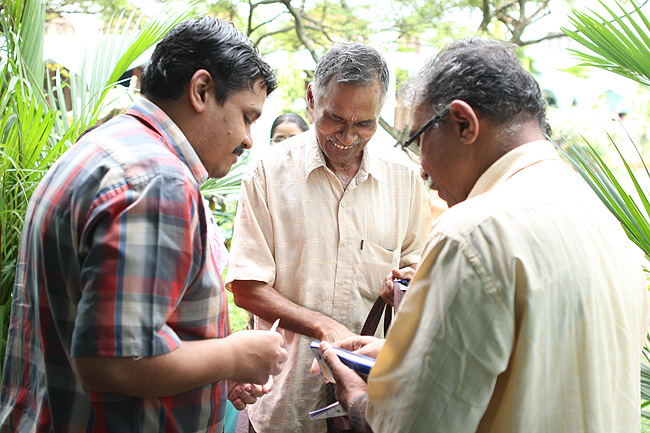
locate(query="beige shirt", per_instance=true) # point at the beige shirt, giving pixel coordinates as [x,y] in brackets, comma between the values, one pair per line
[528,313]
[324,248]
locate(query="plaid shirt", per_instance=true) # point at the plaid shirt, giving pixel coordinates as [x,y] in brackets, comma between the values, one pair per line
[114,262]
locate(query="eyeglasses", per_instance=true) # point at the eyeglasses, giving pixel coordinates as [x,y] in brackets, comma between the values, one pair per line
[412,145]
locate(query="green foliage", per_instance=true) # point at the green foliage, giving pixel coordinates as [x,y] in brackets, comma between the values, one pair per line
[620,45]
[618,42]
[35,128]
[25,145]
[228,10]
[292,85]
[430,22]
[322,22]
[223,194]
[107,8]
[608,187]
[578,71]
[238,316]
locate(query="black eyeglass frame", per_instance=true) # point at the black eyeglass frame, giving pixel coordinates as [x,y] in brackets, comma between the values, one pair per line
[408,144]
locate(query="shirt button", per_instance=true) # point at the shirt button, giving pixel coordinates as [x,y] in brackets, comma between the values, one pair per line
[342,283]
[344,243]
[343,203]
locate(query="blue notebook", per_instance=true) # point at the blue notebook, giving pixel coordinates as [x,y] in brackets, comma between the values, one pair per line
[360,363]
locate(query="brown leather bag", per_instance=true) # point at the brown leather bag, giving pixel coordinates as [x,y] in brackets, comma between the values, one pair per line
[379,308]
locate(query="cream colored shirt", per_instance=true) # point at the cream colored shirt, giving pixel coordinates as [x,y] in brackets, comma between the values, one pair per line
[324,248]
[528,313]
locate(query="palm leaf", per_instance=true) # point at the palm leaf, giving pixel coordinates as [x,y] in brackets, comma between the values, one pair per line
[609,189]
[23,27]
[228,184]
[617,44]
[123,42]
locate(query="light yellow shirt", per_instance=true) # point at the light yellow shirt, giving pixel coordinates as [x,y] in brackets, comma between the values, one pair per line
[324,248]
[528,313]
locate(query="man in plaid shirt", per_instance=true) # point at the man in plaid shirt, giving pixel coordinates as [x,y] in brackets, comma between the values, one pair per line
[119,319]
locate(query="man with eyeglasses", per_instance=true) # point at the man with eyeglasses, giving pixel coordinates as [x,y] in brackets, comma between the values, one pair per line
[322,220]
[529,309]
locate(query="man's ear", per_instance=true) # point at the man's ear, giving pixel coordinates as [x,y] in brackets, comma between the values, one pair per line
[310,97]
[199,88]
[466,119]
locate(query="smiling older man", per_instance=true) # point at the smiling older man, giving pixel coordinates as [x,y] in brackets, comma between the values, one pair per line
[322,220]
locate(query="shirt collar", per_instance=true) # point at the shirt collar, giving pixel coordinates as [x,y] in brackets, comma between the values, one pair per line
[173,137]
[314,158]
[512,162]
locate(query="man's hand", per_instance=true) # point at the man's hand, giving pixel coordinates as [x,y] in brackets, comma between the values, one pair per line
[349,384]
[257,354]
[361,344]
[330,330]
[243,394]
[387,289]
[351,390]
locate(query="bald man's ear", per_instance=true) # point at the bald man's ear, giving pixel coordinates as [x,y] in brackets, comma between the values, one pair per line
[198,90]
[466,119]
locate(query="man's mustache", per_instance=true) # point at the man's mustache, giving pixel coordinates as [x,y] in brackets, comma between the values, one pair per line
[238,150]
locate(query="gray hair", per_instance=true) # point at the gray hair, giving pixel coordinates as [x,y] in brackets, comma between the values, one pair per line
[351,63]
[488,76]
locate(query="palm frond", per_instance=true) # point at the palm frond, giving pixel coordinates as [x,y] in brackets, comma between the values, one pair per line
[631,212]
[124,41]
[227,185]
[23,28]
[618,44]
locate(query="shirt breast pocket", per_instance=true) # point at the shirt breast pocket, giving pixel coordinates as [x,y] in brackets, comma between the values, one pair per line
[376,263]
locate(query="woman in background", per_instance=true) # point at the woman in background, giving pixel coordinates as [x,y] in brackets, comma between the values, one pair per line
[287,125]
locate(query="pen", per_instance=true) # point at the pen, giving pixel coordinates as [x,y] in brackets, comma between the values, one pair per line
[402,281]
[274,327]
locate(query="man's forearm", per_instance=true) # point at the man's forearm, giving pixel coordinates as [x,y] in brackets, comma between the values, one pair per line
[246,356]
[190,366]
[264,301]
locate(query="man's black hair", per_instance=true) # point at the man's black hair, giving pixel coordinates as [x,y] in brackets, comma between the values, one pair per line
[205,43]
